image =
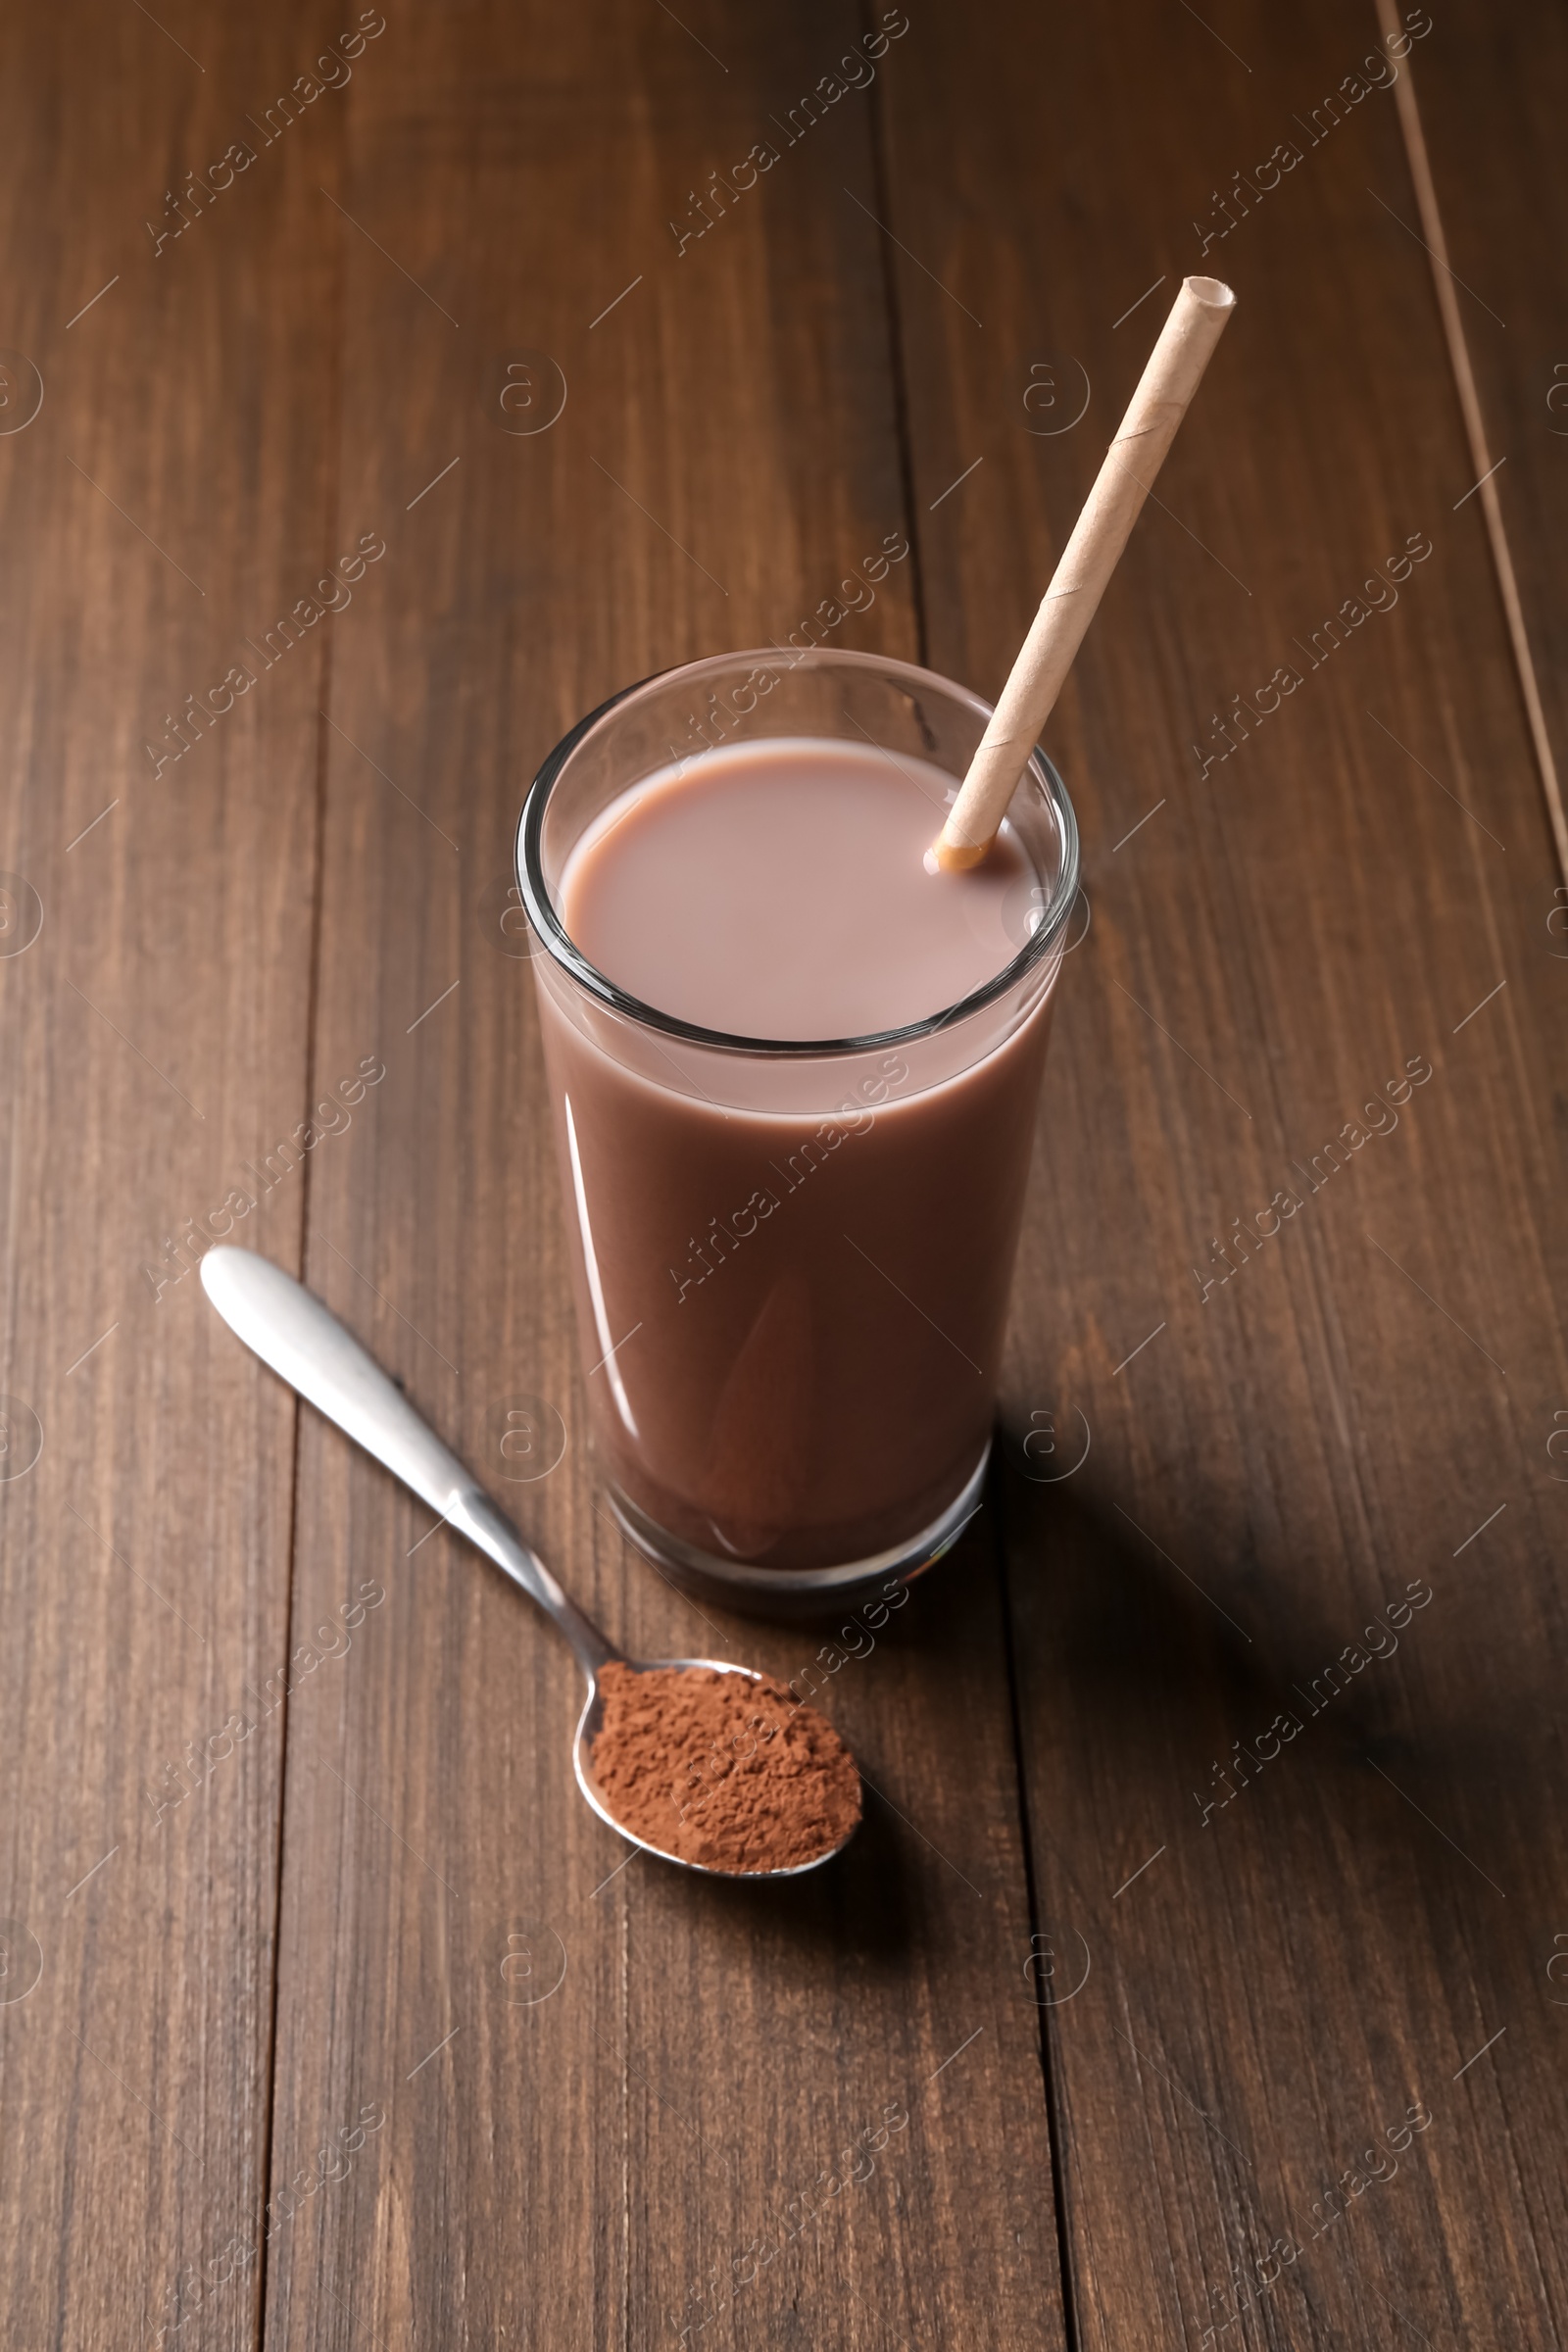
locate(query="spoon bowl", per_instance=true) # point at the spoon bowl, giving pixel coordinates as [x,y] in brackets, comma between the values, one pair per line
[291,1329]
[591,1722]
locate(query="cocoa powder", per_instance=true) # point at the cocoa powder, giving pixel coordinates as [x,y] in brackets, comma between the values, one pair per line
[719,1769]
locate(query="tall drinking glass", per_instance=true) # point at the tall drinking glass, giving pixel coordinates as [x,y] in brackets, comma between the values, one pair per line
[791,1260]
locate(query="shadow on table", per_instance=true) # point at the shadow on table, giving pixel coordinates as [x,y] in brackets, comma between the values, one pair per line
[860,1902]
[1181,1673]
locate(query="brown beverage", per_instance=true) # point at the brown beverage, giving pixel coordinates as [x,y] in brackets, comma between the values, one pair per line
[793,1249]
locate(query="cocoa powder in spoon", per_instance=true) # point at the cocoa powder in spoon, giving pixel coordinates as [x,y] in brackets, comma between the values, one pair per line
[719,1769]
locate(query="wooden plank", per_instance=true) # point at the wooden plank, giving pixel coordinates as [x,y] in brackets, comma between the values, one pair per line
[603,2087]
[162,507]
[1505,311]
[1274,937]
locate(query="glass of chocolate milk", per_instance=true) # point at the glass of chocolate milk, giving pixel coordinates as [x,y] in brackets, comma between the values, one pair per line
[794,1074]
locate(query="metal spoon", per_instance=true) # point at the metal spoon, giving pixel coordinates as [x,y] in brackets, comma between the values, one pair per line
[306,1344]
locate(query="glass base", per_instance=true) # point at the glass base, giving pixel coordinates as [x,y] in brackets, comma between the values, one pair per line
[797,1591]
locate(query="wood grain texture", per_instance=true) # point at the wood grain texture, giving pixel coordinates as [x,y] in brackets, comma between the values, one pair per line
[1273,1462]
[349,2026]
[165,501]
[606,2158]
[1501,226]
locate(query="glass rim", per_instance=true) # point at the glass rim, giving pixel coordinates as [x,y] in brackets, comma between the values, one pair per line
[557,940]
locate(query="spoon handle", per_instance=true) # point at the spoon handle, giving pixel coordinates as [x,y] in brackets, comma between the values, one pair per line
[288,1328]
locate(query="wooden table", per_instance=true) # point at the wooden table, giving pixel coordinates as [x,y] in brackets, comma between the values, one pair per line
[1219,1780]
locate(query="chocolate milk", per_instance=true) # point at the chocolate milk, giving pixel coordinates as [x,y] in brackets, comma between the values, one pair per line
[793,1311]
